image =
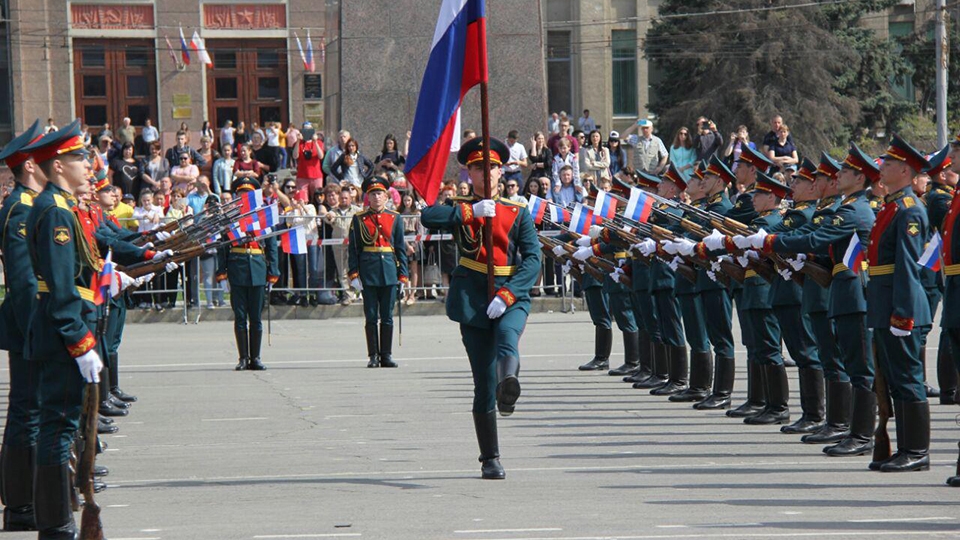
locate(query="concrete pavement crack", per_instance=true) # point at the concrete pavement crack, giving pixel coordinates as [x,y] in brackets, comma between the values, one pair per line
[291,402]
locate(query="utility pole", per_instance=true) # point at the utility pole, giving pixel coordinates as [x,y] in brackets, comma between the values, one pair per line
[943,60]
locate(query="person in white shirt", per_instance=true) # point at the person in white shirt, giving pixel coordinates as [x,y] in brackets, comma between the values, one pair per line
[518,158]
[585,123]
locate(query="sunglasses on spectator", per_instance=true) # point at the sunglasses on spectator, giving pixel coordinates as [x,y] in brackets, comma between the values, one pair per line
[514,186]
[290,187]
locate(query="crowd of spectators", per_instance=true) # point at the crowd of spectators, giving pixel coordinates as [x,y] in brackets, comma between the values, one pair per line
[319,188]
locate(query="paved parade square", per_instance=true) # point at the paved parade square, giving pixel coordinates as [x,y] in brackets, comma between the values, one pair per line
[319,446]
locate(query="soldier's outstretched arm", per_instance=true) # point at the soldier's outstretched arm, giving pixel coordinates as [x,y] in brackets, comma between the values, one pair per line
[842,225]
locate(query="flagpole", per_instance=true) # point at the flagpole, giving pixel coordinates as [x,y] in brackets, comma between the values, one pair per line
[487,194]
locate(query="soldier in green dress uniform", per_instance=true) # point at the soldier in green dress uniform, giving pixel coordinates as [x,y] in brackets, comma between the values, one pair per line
[786,298]
[662,288]
[60,338]
[757,301]
[20,284]
[248,267]
[490,328]
[899,310]
[938,198]
[850,376]
[377,266]
[950,321]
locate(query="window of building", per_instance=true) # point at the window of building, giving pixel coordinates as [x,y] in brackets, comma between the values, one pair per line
[559,72]
[115,78]
[902,89]
[624,45]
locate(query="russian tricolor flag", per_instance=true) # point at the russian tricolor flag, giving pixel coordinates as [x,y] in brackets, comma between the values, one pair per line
[308,63]
[184,51]
[605,207]
[457,63]
[250,200]
[294,241]
[639,207]
[234,233]
[855,255]
[931,255]
[537,206]
[581,219]
[106,284]
[264,218]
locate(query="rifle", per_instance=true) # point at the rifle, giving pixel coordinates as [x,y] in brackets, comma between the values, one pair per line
[728,269]
[881,439]
[177,225]
[602,265]
[269,316]
[547,249]
[90,526]
[595,273]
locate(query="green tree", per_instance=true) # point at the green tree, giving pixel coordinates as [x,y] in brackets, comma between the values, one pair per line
[741,62]
[919,51]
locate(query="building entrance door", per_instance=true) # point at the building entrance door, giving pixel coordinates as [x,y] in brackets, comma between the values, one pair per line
[248,82]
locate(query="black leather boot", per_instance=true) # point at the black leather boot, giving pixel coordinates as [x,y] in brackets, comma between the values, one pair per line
[51,499]
[16,487]
[631,355]
[256,338]
[106,429]
[954,481]
[485,425]
[243,348]
[860,439]
[701,372]
[724,372]
[837,426]
[755,394]
[602,343]
[115,381]
[946,372]
[778,394]
[811,403]
[677,381]
[644,359]
[913,451]
[508,384]
[659,367]
[373,345]
[386,346]
[109,409]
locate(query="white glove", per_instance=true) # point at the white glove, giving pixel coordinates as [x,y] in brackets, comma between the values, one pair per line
[125,281]
[670,247]
[142,279]
[171,267]
[583,253]
[715,241]
[615,276]
[675,263]
[403,288]
[163,235]
[148,245]
[584,241]
[162,254]
[743,260]
[647,247]
[485,208]
[715,266]
[757,238]
[898,332]
[798,263]
[712,275]
[741,241]
[496,308]
[355,283]
[90,366]
[685,247]
[595,231]
[752,255]
[785,273]
[566,267]
[558,251]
